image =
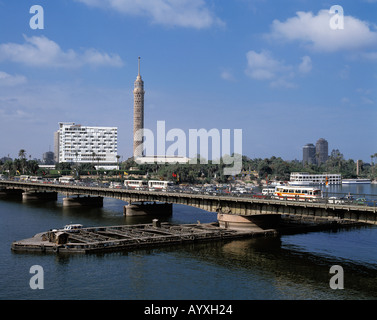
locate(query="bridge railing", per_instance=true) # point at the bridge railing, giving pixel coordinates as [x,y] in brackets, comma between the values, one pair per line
[369,200]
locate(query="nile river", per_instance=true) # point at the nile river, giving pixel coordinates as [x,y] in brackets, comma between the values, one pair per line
[285,267]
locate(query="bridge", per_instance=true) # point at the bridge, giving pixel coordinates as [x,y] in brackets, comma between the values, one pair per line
[233,212]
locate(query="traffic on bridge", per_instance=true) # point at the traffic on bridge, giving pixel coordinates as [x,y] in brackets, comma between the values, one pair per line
[283,192]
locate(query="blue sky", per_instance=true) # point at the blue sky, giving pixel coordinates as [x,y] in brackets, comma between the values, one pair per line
[274,69]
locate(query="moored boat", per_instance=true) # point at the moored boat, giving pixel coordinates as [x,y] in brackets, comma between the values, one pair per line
[356,181]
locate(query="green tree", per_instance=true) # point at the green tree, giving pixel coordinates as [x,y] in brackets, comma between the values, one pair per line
[63,166]
[22,157]
[32,166]
[264,168]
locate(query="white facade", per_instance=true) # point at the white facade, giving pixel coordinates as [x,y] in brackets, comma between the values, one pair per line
[162,159]
[83,144]
[308,178]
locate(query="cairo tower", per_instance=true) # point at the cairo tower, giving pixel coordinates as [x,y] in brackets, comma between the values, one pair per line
[138,114]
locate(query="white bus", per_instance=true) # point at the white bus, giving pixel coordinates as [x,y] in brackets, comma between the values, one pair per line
[157,185]
[269,191]
[297,193]
[66,180]
[36,179]
[136,184]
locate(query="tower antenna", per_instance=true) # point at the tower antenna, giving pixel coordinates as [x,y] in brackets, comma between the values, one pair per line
[139,66]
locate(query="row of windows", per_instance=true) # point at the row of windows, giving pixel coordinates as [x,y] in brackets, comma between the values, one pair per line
[89,158]
[96,151]
[88,132]
[90,138]
[293,191]
[67,144]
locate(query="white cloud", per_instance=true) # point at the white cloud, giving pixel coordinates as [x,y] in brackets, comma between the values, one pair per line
[365,95]
[263,66]
[372,56]
[227,75]
[43,52]
[11,80]
[315,32]
[366,100]
[182,13]
[283,83]
[306,65]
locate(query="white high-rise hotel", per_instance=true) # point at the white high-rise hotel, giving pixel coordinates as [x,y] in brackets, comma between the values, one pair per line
[82,144]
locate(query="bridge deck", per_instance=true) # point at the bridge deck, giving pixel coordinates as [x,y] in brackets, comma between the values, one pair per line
[215,203]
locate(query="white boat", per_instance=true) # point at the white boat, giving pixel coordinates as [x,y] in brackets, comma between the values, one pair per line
[300,183]
[315,179]
[356,181]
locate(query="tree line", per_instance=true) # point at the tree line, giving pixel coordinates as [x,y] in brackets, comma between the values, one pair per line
[273,168]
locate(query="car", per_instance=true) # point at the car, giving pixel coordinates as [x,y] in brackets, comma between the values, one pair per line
[72,227]
[335,200]
[361,201]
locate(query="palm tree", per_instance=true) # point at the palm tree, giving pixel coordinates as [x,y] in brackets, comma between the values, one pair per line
[22,156]
[373,164]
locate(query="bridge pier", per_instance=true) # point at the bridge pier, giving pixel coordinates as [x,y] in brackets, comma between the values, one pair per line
[248,223]
[142,209]
[83,201]
[39,196]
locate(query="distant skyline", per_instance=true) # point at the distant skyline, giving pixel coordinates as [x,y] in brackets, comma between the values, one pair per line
[276,70]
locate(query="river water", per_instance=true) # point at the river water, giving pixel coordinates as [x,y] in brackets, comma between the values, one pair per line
[285,267]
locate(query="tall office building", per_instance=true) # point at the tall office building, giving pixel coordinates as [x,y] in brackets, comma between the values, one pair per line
[48,157]
[56,146]
[308,154]
[138,114]
[81,144]
[322,151]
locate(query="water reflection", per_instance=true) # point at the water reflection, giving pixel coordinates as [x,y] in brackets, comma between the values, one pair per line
[289,269]
[286,267]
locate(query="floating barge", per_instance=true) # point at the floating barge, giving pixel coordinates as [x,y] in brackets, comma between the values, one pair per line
[126,237]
